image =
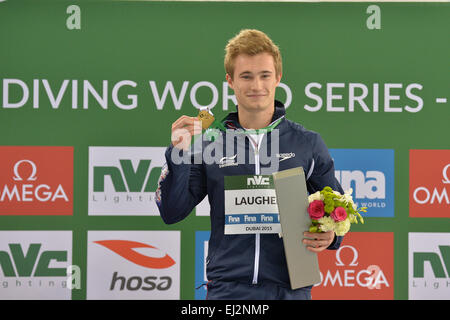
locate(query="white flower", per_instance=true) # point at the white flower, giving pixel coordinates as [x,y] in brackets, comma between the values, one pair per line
[352,218]
[315,196]
[342,227]
[327,224]
[347,198]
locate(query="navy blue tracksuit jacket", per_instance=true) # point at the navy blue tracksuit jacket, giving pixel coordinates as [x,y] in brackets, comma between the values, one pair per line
[245,258]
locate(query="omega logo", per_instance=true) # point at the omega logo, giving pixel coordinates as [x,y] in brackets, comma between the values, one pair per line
[423,195]
[17,177]
[355,256]
[28,192]
[444,174]
[371,277]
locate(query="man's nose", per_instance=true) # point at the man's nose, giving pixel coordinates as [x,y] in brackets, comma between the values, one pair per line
[256,84]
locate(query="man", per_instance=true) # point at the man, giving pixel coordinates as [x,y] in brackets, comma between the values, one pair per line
[251,265]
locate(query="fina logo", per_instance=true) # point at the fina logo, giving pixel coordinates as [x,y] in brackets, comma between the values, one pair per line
[370,173]
[258,181]
[370,185]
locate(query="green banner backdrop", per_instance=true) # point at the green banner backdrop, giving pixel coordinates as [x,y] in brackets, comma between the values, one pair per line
[91,74]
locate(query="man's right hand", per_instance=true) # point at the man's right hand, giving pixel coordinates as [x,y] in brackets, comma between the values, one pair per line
[182,131]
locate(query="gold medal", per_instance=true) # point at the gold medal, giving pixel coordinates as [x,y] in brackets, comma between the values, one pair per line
[206,117]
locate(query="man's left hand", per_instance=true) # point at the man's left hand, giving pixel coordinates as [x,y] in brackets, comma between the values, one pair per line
[319,241]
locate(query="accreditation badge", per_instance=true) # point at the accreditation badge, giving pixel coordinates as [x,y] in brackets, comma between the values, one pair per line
[251,205]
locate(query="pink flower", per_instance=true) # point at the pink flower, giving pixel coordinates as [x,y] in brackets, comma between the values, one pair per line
[339,214]
[316,209]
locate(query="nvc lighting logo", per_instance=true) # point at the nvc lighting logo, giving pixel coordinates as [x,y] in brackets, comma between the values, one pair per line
[34,264]
[123,180]
[429,265]
[370,173]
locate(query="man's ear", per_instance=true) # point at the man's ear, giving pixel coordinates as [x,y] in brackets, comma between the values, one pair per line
[229,80]
[279,79]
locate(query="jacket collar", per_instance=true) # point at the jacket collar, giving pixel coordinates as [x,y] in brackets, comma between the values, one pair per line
[231,121]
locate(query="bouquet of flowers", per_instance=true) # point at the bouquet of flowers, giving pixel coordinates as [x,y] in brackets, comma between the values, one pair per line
[330,210]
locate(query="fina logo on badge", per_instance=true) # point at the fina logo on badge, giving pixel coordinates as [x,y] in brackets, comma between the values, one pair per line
[370,173]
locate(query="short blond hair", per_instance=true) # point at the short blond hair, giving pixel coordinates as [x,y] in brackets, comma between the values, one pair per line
[251,42]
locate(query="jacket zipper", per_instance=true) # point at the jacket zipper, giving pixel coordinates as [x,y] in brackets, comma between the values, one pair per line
[256,146]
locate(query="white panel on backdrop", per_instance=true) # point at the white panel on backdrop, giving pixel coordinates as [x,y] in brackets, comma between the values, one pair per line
[34,265]
[429,266]
[123,180]
[203,208]
[133,265]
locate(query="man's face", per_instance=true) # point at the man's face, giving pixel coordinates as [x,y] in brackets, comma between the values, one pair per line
[254,82]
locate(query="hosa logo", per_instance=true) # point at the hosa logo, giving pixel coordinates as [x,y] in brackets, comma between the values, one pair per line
[370,173]
[429,265]
[34,264]
[36,180]
[123,180]
[357,270]
[258,181]
[133,265]
[429,183]
[125,249]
